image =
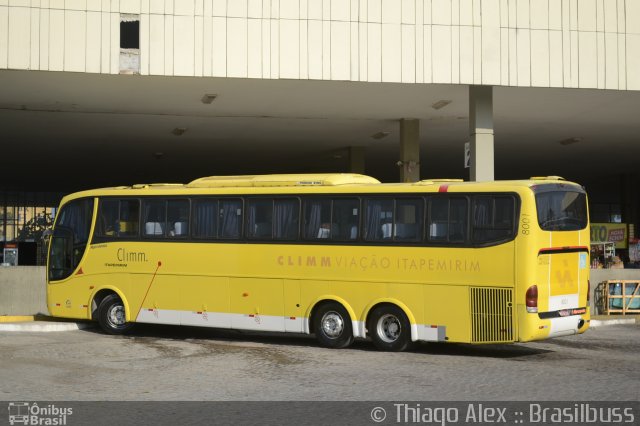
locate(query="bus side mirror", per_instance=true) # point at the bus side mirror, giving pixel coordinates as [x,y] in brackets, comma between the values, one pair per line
[46,236]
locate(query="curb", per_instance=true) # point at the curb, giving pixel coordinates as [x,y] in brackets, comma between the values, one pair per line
[602,323]
[45,326]
[16,318]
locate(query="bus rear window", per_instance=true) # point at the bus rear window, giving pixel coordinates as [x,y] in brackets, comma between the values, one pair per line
[561,210]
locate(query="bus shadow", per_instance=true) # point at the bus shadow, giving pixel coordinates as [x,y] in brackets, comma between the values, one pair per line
[205,335]
[503,351]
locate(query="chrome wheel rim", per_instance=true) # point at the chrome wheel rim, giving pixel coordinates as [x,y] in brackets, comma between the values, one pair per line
[389,328]
[332,324]
[116,316]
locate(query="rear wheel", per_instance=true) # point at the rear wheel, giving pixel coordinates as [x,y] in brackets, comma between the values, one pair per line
[112,317]
[389,328]
[332,325]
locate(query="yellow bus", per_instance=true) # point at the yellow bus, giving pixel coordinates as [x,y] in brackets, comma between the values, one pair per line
[341,256]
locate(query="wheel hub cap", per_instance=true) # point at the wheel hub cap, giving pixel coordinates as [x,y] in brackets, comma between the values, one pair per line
[116,315]
[332,324]
[389,328]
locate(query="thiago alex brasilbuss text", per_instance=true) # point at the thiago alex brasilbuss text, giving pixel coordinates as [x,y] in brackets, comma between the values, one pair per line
[578,413]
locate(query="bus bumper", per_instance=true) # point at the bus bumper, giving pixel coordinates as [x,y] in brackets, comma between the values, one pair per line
[532,327]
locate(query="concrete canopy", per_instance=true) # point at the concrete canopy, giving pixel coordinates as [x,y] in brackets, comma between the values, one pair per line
[68,131]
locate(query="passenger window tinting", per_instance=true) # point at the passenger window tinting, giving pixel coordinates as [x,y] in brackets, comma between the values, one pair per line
[260,219]
[178,218]
[205,218]
[118,218]
[408,220]
[129,218]
[389,219]
[378,219]
[230,219]
[317,219]
[273,219]
[155,218]
[286,213]
[108,218]
[345,219]
[561,210]
[447,219]
[336,220]
[493,218]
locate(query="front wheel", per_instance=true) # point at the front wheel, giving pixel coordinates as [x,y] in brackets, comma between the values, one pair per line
[332,325]
[389,329]
[111,315]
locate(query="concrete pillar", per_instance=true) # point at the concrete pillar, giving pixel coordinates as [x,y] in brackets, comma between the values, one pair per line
[481,132]
[409,150]
[356,159]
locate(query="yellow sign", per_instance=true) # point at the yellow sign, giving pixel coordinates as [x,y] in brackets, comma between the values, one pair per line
[609,232]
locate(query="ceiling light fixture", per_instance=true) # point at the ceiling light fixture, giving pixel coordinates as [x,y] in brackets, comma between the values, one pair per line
[208,98]
[570,141]
[441,104]
[380,135]
[179,131]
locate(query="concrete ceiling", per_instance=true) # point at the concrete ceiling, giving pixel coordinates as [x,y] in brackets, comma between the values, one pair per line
[69,131]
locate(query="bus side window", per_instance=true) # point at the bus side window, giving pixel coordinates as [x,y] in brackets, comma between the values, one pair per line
[438,219]
[286,214]
[155,218]
[458,220]
[378,219]
[178,218]
[260,219]
[448,219]
[493,218]
[205,218]
[409,218]
[129,218]
[108,222]
[345,219]
[230,219]
[317,219]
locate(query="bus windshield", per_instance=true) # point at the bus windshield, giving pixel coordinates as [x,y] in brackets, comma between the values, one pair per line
[562,210]
[70,237]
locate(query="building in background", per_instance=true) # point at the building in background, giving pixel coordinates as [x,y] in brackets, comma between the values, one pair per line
[113,92]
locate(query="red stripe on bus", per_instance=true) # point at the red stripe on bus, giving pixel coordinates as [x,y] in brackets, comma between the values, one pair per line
[443,188]
[292,318]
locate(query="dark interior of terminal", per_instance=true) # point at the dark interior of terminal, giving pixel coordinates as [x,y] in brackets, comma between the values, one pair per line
[64,132]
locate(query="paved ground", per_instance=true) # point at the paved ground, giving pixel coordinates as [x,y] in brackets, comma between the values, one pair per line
[201,364]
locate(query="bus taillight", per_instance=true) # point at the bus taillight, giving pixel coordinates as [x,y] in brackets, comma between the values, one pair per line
[532,299]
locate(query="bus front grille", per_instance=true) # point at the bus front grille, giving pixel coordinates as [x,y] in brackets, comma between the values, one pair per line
[491,315]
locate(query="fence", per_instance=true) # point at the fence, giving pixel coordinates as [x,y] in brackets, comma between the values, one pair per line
[618,297]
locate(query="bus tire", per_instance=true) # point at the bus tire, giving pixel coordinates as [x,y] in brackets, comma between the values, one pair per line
[111,315]
[332,326]
[389,328]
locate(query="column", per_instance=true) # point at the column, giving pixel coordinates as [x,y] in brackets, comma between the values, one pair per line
[409,150]
[481,132]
